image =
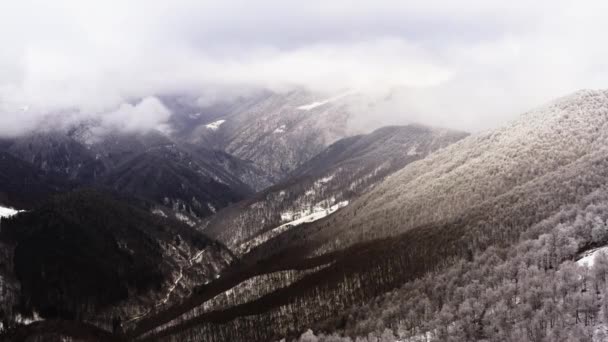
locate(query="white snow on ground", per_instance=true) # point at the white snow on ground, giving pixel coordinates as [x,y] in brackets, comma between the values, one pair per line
[159,212]
[286,216]
[422,337]
[280,129]
[306,210]
[185,219]
[316,104]
[8,212]
[28,320]
[215,125]
[172,288]
[600,333]
[589,256]
[325,179]
[413,151]
[317,214]
[318,185]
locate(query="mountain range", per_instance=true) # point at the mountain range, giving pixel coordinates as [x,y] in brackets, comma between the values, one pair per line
[262,218]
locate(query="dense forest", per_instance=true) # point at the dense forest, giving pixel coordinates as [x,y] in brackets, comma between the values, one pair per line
[344,171]
[86,255]
[498,208]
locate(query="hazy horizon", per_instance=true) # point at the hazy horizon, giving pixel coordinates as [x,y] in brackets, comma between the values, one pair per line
[469,66]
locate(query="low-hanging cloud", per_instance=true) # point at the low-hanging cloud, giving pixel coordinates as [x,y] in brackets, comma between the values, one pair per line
[468,64]
[145,115]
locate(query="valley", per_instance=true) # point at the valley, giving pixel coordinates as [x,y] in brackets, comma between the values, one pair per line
[388,234]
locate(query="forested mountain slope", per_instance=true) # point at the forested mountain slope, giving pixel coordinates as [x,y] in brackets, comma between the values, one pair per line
[476,241]
[276,131]
[535,290]
[23,185]
[57,152]
[184,179]
[177,179]
[342,172]
[92,256]
[486,169]
[482,198]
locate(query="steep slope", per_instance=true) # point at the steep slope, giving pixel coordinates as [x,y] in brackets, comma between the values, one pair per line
[23,185]
[273,133]
[58,153]
[113,149]
[278,132]
[243,170]
[476,240]
[190,179]
[485,191]
[548,142]
[466,205]
[344,171]
[177,179]
[191,115]
[91,255]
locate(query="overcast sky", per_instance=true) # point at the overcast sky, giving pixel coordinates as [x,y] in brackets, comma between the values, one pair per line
[463,64]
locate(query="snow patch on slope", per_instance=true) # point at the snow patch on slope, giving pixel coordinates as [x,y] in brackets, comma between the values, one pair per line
[8,212]
[214,126]
[159,212]
[280,129]
[185,219]
[25,320]
[588,258]
[413,151]
[325,179]
[298,218]
[316,104]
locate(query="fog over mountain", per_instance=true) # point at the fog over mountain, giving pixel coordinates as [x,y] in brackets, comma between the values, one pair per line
[485,61]
[313,171]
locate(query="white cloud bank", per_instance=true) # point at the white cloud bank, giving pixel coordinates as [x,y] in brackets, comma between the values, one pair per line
[467,64]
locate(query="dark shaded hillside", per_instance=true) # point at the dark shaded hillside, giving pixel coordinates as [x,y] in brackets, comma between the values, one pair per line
[58,153]
[83,251]
[243,170]
[177,179]
[22,185]
[113,149]
[193,181]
